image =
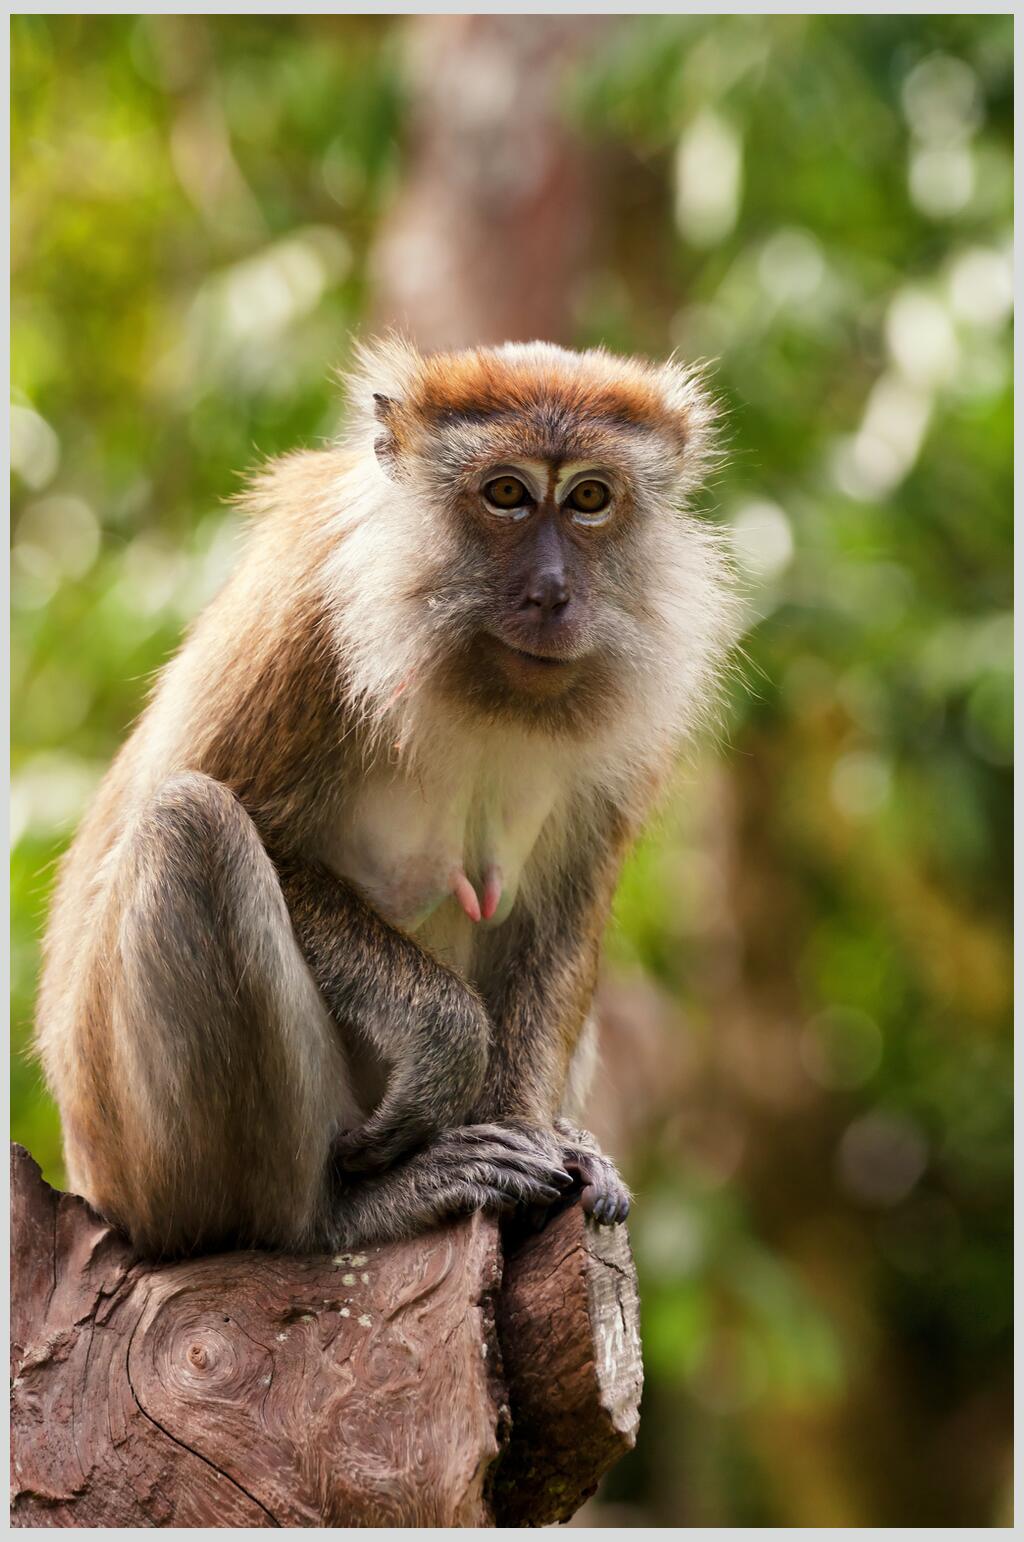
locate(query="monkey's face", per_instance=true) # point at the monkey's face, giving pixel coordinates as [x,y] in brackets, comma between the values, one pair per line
[536,526]
[549,485]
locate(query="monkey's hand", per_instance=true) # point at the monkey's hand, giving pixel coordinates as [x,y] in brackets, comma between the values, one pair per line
[595,1179]
[475,1167]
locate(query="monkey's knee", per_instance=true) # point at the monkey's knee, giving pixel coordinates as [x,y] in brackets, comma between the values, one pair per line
[192,833]
[190,876]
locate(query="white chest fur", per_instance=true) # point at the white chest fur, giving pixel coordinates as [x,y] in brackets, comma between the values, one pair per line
[471,814]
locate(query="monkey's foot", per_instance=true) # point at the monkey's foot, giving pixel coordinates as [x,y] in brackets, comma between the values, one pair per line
[602,1192]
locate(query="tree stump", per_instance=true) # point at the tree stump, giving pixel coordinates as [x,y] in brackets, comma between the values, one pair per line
[455,1380]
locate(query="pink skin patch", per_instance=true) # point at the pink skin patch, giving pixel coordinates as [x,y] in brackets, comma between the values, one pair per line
[464,892]
[492,892]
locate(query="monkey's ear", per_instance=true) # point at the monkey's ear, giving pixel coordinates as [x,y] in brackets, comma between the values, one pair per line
[385,444]
[693,414]
[380,383]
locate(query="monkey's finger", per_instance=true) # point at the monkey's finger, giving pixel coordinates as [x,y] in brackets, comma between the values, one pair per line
[498,1200]
[528,1164]
[520,1188]
[510,1135]
[490,1196]
[465,1198]
[525,1190]
[475,1132]
[484,1143]
[520,1138]
[520,1170]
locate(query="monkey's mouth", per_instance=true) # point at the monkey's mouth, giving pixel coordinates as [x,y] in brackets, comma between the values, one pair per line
[531,671]
[544,660]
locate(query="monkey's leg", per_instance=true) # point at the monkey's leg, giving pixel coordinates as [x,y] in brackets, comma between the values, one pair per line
[230,1079]
[419,1018]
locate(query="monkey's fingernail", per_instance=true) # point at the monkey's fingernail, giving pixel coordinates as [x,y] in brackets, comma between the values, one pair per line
[465,893]
[492,892]
[563,1179]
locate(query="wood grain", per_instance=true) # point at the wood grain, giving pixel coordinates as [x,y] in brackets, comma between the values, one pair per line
[438,1382]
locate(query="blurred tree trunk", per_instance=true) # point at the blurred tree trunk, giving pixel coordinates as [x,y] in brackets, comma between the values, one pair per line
[491,229]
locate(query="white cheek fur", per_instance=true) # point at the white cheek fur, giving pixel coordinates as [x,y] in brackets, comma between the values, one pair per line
[668,668]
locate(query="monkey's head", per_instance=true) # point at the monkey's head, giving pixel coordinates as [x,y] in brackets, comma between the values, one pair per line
[532,520]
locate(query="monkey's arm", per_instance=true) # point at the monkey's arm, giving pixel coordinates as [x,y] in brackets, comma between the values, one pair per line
[541,978]
[538,993]
[424,1022]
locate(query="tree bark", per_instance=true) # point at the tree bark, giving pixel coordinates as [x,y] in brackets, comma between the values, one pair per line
[453,1380]
[494,223]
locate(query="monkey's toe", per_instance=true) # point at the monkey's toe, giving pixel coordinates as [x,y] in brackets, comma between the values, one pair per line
[608,1206]
[602,1193]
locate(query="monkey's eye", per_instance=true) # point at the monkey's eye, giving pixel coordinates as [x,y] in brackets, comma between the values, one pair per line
[506,493]
[589,499]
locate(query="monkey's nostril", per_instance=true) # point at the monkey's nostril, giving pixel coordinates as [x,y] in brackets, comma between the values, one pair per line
[548,593]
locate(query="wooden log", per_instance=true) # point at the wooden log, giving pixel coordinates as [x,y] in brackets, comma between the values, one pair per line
[447,1381]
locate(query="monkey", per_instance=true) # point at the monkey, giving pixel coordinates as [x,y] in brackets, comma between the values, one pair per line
[320,958]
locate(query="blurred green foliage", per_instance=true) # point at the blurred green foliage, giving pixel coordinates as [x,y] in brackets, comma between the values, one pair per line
[822,206]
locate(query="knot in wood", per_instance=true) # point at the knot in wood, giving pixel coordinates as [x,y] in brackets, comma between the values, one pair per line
[200,1355]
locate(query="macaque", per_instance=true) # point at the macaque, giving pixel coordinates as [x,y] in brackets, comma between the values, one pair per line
[319,966]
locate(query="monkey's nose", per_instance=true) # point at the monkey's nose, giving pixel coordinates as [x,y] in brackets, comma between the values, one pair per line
[547,593]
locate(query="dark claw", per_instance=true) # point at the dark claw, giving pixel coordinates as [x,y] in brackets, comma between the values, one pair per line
[503,1203]
[547,1193]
